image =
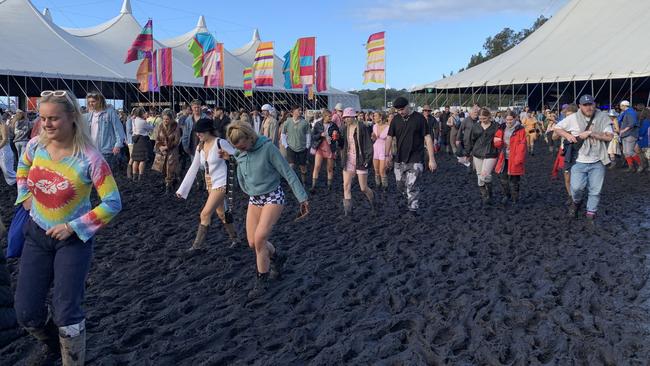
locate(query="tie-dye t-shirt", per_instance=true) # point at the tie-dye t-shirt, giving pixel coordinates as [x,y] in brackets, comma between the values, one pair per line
[60,190]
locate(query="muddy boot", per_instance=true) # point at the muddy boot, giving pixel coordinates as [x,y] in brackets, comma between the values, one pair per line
[488,186]
[514,193]
[232,235]
[505,188]
[260,287]
[574,208]
[313,186]
[303,179]
[73,344]
[347,207]
[201,232]
[377,181]
[371,199]
[329,185]
[384,183]
[612,165]
[277,262]
[485,198]
[48,351]
[129,172]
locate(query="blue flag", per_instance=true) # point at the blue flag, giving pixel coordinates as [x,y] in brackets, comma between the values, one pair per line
[286,70]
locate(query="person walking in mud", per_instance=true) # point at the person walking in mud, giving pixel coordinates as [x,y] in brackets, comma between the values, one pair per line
[484,152]
[410,130]
[260,167]
[510,139]
[56,175]
[209,155]
[296,138]
[324,144]
[587,132]
[356,157]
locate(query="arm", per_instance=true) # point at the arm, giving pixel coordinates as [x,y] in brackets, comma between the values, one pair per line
[562,133]
[432,158]
[282,167]
[24,164]
[4,138]
[190,176]
[118,131]
[111,204]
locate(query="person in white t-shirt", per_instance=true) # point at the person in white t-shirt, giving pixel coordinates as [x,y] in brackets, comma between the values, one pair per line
[216,180]
[588,172]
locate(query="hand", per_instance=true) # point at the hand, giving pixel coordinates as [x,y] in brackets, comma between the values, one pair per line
[432,165]
[60,232]
[163,148]
[116,151]
[178,195]
[572,139]
[457,143]
[323,134]
[497,140]
[27,204]
[304,211]
[585,135]
[373,137]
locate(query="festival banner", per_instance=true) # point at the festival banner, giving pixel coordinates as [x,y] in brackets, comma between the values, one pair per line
[153,75]
[142,75]
[303,55]
[165,62]
[263,65]
[202,47]
[248,82]
[376,63]
[322,73]
[286,71]
[142,45]
[216,80]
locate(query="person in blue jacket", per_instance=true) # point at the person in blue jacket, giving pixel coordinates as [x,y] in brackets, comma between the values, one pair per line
[628,122]
[260,166]
[106,130]
[644,140]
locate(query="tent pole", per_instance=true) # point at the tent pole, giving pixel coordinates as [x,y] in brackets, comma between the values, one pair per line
[575,96]
[542,108]
[592,88]
[631,90]
[499,103]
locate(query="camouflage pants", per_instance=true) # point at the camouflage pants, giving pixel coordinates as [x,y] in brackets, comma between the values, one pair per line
[406,175]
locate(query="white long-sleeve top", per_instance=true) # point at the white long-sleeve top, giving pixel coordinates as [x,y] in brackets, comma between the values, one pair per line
[217,167]
[141,127]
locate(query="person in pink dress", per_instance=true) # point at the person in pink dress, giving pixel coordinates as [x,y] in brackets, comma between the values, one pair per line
[379,134]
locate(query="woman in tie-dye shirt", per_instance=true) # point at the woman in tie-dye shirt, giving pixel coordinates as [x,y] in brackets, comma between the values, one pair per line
[55,177]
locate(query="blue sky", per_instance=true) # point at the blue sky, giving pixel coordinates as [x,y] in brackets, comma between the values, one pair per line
[424,38]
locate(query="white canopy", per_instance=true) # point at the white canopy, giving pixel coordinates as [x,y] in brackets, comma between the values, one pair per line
[35,46]
[585,40]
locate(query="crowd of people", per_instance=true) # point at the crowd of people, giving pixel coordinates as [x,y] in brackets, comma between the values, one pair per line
[57,157]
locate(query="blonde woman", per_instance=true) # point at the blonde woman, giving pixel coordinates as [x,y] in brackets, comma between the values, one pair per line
[259,170]
[356,156]
[56,175]
[379,135]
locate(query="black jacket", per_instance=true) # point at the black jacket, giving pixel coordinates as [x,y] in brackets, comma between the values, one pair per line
[481,142]
[363,143]
[316,137]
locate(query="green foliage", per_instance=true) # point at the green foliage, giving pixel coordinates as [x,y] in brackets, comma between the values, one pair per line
[374,99]
[503,41]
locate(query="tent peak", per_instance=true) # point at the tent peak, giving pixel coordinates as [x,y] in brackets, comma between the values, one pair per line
[256,35]
[201,22]
[46,14]
[126,7]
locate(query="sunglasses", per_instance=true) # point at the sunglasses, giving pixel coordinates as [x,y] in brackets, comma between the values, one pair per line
[56,93]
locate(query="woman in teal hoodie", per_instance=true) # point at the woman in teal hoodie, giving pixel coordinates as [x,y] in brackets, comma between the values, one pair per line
[260,166]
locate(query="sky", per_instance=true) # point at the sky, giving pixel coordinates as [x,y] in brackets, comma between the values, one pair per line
[424,38]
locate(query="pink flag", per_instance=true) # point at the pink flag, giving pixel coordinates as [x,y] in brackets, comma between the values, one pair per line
[166,74]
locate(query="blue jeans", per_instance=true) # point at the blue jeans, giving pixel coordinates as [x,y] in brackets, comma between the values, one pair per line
[590,176]
[46,262]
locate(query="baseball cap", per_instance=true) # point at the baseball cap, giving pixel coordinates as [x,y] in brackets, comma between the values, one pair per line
[625,103]
[587,99]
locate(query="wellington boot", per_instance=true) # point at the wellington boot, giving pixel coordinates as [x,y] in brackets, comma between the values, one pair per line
[260,287]
[347,207]
[73,349]
[48,352]
[201,233]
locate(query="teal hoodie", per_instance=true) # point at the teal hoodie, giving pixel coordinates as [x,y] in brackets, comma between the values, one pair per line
[259,170]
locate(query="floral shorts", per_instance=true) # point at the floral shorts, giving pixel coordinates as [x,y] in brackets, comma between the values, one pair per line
[274,198]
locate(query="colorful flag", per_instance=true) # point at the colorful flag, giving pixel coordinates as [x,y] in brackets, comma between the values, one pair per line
[303,55]
[153,75]
[142,75]
[263,65]
[286,71]
[376,63]
[322,73]
[216,79]
[165,61]
[248,82]
[142,44]
[201,47]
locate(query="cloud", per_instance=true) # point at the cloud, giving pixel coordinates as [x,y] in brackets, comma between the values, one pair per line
[417,10]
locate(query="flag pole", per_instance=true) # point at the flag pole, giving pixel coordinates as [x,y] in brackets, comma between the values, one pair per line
[385,91]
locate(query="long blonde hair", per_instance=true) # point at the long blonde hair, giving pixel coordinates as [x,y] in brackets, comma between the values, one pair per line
[100,104]
[81,139]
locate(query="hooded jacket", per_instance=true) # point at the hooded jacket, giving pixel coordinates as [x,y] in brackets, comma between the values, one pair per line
[518,150]
[259,170]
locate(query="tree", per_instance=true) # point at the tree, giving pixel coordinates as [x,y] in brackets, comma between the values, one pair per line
[374,99]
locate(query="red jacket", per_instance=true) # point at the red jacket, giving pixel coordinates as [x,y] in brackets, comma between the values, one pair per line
[518,150]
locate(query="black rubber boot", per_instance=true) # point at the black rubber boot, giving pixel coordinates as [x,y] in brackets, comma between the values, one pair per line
[377,181]
[485,198]
[514,193]
[48,351]
[260,287]
[488,186]
[505,188]
[574,208]
[329,185]
[313,186]
[232,235]
[201,233]
[384,183]
[371,199]
[277,262]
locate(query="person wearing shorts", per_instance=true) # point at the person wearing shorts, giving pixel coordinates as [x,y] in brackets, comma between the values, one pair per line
[356,156]
[260,166]
[296,137]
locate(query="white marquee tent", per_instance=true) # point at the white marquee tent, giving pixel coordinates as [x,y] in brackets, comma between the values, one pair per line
[35,47]
[585,44]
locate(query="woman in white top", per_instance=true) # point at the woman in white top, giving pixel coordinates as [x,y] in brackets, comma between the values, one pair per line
[216,180]
[141,143]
